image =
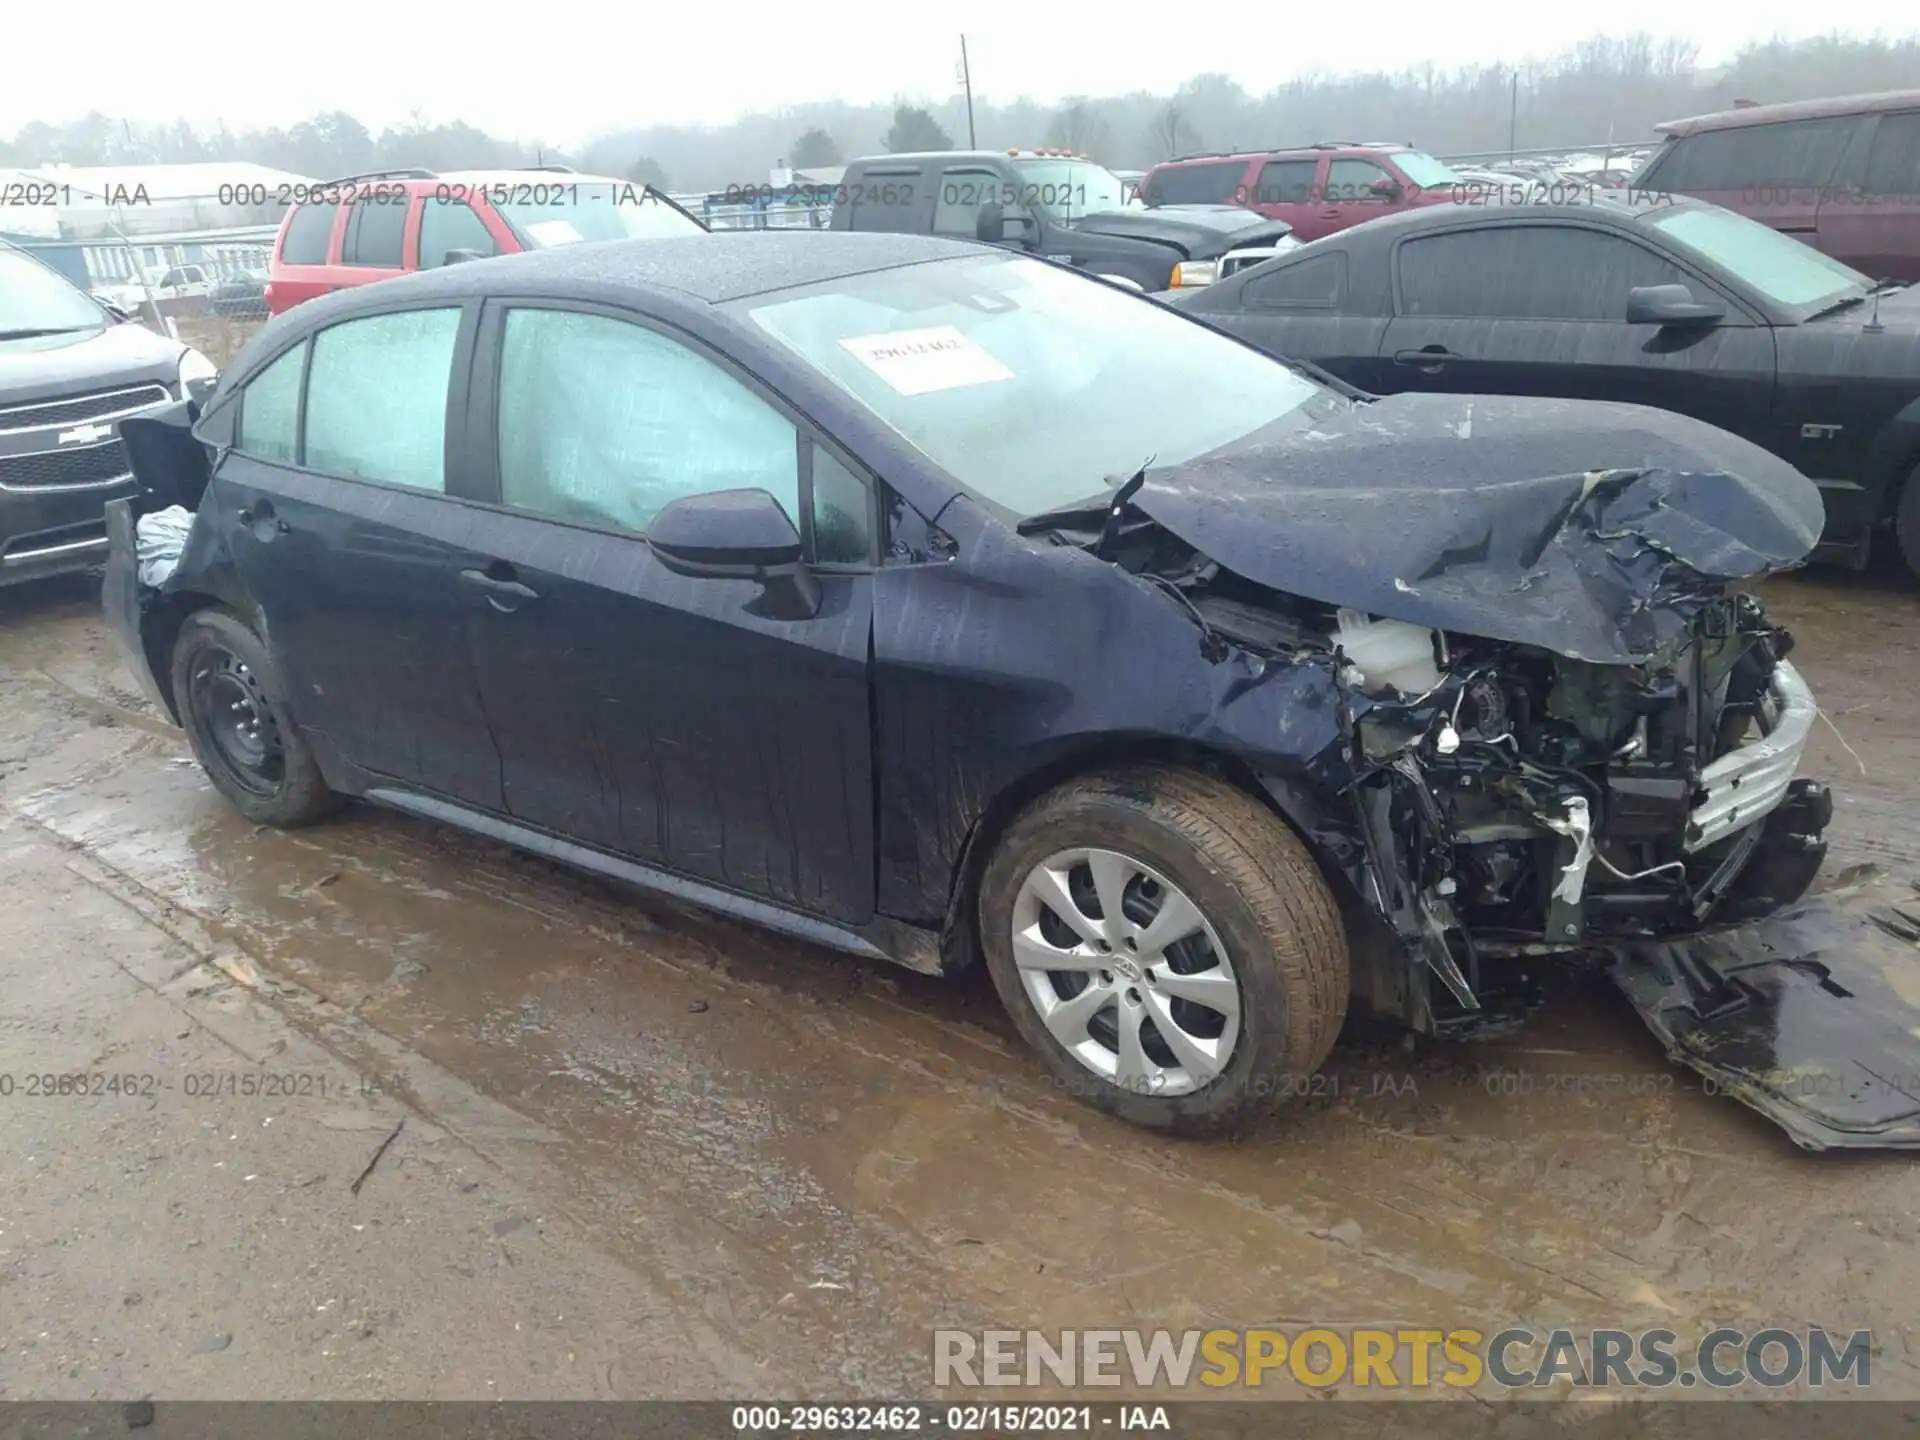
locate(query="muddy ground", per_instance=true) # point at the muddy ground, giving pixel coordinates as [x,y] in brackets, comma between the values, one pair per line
[647,1152]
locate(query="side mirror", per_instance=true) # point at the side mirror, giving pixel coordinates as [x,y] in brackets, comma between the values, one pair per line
[455,257]
[993,226]
[1385,189]
[738,535]
[1669,305]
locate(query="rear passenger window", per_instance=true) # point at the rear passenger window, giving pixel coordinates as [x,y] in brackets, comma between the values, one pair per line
[895,201]
[1316,284]
[1760,161]
[377,398]
[270,410]
[1286,182]
[307,235]
[448,225]
[1533,272]
[1199,184]
[376,228]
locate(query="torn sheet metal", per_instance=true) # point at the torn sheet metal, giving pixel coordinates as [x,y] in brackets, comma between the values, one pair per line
[1594,531]
[1810,1016]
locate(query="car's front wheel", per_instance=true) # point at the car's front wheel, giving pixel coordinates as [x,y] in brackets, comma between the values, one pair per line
[1906,522]
[1167,945]
[231,704]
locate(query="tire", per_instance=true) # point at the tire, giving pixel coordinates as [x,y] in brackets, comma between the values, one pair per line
[1906,522]
[221,669]
[1267,920]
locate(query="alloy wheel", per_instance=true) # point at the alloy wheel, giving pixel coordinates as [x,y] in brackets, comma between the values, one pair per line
[1126,972]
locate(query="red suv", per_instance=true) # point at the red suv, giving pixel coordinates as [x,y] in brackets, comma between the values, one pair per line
[368,227]
[1842,175]
[1317,189]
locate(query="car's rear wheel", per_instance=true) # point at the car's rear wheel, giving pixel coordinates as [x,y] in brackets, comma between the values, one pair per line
[1906,522]
[232,706]
[1167,945]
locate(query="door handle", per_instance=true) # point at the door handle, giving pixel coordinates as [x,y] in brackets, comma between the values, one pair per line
[502,595]
[1428,357]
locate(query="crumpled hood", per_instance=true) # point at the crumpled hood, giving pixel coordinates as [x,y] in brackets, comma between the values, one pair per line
[1589,529]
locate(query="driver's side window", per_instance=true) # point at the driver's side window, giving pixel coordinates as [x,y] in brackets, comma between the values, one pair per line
[602,422]
[956,209]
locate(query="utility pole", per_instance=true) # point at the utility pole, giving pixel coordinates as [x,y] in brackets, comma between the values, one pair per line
[966,82]
[1513,116]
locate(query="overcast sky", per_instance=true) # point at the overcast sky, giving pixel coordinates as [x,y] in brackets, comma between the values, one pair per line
[561,70]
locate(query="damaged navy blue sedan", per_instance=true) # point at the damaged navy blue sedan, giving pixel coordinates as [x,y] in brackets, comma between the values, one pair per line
[932,602]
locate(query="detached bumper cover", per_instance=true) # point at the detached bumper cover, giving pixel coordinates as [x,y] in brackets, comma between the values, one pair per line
[120,600]
[1810,1016]
[1744,785]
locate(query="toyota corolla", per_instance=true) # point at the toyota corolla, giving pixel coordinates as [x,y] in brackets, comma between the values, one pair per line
[930,602]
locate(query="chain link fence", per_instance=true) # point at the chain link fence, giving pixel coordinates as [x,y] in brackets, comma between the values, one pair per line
[207,288]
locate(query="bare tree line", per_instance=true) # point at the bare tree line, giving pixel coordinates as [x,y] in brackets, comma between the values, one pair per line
[1604,88]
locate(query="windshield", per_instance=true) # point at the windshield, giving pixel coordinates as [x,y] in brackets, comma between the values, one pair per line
[1066,188]
[34,298]
[1778,266]
[1423,170]
[1031,386]
[564,213]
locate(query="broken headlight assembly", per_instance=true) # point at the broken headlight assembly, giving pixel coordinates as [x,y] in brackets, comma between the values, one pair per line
[1535,802]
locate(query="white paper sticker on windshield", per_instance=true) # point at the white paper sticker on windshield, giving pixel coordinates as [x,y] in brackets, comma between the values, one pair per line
[918,362]
[548,233]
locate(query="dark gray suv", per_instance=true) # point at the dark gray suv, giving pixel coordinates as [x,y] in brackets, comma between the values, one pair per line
[70,371]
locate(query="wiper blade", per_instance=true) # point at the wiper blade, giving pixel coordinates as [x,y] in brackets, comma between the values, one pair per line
[1847,303]
[1093,510]
[33,333]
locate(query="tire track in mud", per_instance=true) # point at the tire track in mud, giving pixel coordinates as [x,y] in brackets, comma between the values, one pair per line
[860,1170]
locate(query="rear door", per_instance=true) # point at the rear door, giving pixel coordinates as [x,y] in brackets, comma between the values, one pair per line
[374,244]
[342,518]
[1288,190]
[1870,216]
[1540,309]
[640,711]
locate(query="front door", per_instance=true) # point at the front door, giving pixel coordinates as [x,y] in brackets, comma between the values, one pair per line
[641,711]
[1541,310]
[1355,191]
[343,532]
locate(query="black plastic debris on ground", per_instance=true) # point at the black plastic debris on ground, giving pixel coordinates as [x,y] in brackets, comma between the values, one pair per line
[1811,1015]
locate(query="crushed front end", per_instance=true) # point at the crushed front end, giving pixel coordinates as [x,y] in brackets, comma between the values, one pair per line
[1527,802]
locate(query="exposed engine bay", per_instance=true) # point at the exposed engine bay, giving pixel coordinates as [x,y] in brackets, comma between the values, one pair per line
[1511,801]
